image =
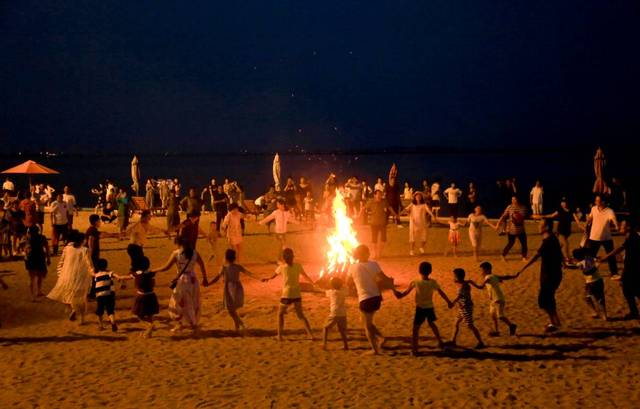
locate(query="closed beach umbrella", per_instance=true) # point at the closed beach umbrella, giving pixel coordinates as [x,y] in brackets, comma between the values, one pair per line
[276,171]
[135,175]
[393,172]
[598,167]
[31,168]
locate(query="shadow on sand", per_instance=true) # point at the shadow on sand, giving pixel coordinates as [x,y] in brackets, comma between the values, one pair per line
[72,337]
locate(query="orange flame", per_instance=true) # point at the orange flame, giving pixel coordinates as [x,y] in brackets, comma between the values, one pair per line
[342,240]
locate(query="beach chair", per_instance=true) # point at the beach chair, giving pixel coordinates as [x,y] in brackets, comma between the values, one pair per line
[139,204]
[250,208]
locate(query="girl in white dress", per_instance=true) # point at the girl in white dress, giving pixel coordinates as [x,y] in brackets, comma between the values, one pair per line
[184,305]
[476,220]
[418,211]
[75,275]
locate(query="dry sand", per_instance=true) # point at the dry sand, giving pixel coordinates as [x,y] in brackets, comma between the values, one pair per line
[47,361]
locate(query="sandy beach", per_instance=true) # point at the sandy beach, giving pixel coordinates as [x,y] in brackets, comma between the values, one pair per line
[48,362]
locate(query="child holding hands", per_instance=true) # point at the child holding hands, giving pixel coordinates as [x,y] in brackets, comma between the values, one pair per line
[337,295]
[291,292]
[424,304]
[465,306]
[594,284]
[233,293]
[496,297]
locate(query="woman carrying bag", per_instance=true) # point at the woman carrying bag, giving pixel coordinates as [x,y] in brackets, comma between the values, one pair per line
[184,305]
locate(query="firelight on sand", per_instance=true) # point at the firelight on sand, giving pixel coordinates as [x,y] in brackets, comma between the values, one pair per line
[342,240]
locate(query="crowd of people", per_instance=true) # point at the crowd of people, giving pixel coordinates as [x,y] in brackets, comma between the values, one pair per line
[84,275]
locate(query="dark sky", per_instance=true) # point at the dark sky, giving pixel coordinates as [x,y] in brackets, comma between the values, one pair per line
[154,76]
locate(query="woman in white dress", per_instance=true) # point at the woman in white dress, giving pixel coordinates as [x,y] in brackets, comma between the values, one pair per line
[75,275]
[418,211]
[184,305]
[476,220]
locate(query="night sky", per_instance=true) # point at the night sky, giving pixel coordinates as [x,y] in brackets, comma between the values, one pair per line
[154,76]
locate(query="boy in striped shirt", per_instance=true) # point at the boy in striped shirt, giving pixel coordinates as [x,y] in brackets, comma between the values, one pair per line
[105,293]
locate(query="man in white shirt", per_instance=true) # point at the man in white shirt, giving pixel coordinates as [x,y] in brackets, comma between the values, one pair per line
[536,198]
[601,218]
[59,222]
[452,193]
[8,186]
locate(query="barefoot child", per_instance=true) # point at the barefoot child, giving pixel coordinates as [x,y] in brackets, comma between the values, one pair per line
[496,297]
[424,304]
[233,293]
[337,296]
[291,292]
[594,284]
[146,303]
[465,306]
[105,293]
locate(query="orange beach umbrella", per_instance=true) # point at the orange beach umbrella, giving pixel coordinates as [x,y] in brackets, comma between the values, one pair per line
[31,168]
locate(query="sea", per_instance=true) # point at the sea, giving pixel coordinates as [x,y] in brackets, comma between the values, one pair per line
[563,173]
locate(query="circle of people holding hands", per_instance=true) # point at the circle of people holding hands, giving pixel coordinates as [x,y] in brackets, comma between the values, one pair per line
[83,274]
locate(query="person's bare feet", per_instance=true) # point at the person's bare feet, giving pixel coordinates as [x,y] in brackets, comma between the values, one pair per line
[371,352]
[382,341]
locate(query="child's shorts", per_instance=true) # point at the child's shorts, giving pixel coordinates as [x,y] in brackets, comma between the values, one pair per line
[595,289]
[340,321]
[106,302]
[423,314]
[371,305]
[289,301]
[496,309]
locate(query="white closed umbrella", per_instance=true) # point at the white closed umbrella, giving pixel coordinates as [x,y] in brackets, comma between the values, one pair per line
[135,175]
[276,171]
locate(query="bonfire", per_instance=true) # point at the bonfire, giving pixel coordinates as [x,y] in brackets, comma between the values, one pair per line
[341,239]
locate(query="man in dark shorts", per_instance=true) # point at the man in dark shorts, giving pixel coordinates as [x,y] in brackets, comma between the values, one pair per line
[220,203]
[379,210]
[550,254]
[630,279]
[515,213]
